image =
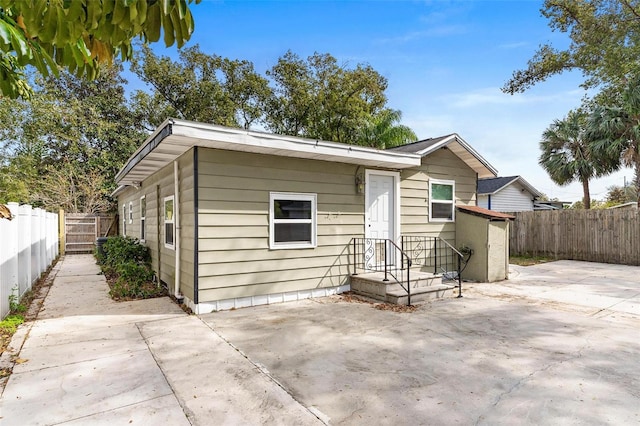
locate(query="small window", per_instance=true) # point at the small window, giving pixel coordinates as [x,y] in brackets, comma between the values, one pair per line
[143,214]
[441,200]
[130,212]
[292,220]
[169,223]
[124,220]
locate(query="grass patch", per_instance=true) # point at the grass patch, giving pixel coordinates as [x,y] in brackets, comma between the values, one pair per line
[20,312]
[528,260]
[10,324]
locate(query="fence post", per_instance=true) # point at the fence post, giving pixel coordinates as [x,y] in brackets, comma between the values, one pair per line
[43,243]
[24,255]
[62,231]
[4,302]
[27,266]
[10,240]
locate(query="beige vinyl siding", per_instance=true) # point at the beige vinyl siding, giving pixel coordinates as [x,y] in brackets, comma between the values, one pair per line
[414,193]
[233,224]
[155,189]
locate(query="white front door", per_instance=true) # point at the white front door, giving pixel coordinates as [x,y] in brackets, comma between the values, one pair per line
[380,208]
[380,216]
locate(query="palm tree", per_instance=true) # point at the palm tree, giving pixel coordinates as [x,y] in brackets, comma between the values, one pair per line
[616,131]
[567,157]
[382,131]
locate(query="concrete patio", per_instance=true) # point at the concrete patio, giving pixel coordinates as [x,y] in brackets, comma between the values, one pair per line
[558,344]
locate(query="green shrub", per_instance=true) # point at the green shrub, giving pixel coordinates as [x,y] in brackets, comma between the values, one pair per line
[127,265]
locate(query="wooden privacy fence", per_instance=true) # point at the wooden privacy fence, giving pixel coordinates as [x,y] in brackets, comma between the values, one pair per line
[82,229]
[608,236]
[28,246]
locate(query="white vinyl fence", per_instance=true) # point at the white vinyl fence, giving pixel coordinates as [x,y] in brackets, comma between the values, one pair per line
[28,245]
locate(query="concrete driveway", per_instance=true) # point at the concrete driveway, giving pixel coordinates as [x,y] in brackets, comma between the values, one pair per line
[557,344]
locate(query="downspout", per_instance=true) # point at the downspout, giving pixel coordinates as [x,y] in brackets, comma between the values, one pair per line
[176,221]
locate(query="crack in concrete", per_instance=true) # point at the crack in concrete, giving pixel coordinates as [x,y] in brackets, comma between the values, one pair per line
[525,379]
[324,419]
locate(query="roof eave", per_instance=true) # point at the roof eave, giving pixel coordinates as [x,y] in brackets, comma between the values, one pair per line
[492,171]
[174,137]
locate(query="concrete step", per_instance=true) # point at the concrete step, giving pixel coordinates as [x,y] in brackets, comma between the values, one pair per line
[420,294]
[373,285]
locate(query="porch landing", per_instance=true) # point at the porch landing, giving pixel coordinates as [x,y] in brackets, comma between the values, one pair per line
[424,286]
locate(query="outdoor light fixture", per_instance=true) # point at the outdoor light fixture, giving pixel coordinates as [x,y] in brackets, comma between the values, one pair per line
[359,184]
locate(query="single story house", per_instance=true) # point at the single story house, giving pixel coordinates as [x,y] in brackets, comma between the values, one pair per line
[237,218]
[506,194]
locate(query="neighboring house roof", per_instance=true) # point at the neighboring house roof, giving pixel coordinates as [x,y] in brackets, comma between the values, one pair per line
[457,145]
[482,212]
[549,205]
[491,186]
[629,205]
[175,137]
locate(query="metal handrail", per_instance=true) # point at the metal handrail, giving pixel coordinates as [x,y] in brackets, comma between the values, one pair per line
[434,252]
[374,253]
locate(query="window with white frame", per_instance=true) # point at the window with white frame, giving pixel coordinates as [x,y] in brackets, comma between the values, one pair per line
[124,220]
[169,223]
[441,200]
[130,212]
[292,220]
[143,214]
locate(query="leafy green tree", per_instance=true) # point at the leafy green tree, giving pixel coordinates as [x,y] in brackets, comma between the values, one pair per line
[384,131]
[566,154]
[69,138]
[605,44]
[620,195]
[314,98]
[81,35]
[318,98]
[200,87]
[615,130]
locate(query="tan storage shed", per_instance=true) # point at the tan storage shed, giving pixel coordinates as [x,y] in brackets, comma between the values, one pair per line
[486,233]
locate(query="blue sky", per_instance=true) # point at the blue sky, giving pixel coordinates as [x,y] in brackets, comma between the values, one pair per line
[445,62]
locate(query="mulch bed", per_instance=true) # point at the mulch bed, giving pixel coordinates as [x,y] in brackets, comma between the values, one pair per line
[350,297]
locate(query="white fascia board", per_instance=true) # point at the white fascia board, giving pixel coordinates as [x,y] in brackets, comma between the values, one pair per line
[515,178]
[528,187]
[119,190]
[243,140]
[456,138]
[175,137]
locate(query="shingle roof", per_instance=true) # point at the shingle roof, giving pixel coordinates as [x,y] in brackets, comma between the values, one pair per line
[416,147]
[489,214]
[491,185]
[456,145]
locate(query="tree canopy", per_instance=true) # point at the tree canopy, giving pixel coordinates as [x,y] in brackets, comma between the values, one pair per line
[62,147]
[200,87]
[314,97]
[81,35]
[320,99]
[604,44]
[567,155]
[615,130]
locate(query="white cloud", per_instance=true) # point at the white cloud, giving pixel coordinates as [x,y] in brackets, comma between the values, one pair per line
[436,31]
[515,45]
